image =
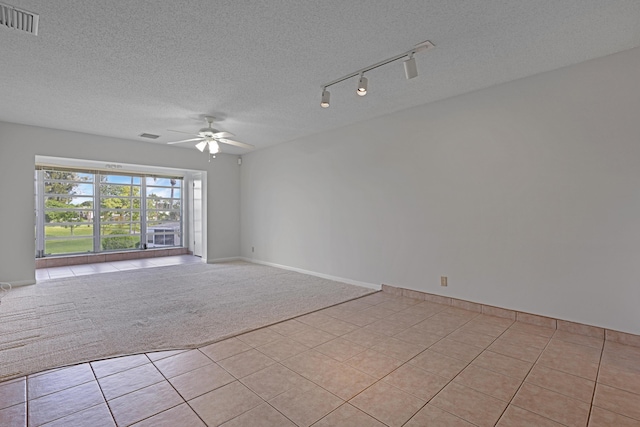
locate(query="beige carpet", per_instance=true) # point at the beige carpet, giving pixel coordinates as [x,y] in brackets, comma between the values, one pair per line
[73,320]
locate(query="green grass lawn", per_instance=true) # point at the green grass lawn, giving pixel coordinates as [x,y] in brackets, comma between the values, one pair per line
[57,247]
[77,245]
[59,231]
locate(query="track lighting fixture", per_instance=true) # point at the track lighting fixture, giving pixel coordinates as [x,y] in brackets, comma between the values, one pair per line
[410,71]
[362,86]
[410,68]
[325,98]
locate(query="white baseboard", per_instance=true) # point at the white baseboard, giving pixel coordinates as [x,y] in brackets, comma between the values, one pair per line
[314,273]
[235,258]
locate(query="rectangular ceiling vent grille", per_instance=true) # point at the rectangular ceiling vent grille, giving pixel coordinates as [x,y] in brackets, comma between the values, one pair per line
[19,19]
[149,135]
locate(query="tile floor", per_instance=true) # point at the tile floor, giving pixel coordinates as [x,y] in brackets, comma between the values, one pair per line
[380,360]
[108,267]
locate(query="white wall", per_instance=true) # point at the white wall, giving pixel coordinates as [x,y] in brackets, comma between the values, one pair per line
[20,144]
[526,195]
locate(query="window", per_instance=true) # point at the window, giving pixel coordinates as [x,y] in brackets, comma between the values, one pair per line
[163,207]
[85,211]
[120,208]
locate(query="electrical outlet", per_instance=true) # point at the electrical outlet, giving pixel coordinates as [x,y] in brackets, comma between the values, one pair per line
[443,281]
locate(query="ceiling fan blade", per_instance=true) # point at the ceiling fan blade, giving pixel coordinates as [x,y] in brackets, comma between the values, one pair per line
[179,131]
[223,134]
[184,140]
[236,143]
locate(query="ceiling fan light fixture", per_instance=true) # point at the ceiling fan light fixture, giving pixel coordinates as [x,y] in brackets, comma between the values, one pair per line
[201,146]
[212,138]
[325,98]
[214,148]
[362,85]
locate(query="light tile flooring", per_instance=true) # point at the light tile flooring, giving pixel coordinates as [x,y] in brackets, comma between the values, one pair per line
[380,360]
[108,267]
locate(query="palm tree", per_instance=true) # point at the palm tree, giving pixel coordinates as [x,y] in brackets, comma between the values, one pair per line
[173,183]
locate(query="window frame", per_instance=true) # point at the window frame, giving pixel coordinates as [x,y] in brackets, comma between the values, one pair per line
[138,228]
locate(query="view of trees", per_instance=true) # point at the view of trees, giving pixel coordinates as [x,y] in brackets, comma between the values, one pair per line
[67,217]
[69,204]
[119,215]
[60,196]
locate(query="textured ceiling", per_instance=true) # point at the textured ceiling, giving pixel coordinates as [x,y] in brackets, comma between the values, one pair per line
[120,68]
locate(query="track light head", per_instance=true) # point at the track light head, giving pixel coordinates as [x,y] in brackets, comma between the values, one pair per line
[410,68]
[325,98]
[201,146]
[362,86]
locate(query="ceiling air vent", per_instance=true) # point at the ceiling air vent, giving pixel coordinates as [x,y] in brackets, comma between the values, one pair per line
[149,135]
[19,19]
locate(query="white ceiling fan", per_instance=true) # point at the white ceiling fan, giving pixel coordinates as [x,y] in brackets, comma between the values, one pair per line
[210,137]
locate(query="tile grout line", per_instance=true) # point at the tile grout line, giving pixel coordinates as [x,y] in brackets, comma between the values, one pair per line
[404,363]
[389,336]
[344,401]
[297,373]
[569,373]
[564,372]
[68,388]
[466,366]
[595,385]
[523,381]
[26,394]
[245,385]
[172,386]
[113,418]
